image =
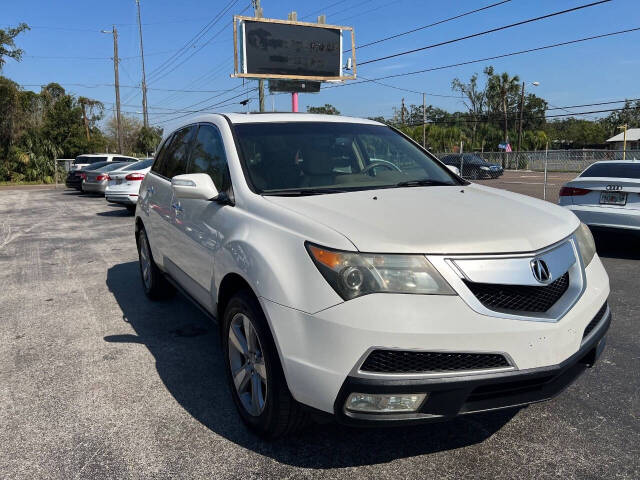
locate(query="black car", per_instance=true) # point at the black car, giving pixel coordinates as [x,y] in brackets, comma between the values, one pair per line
[472,166]
[74,177]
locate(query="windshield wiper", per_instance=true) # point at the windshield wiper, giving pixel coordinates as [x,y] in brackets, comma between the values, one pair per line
[303,191]
[422,183]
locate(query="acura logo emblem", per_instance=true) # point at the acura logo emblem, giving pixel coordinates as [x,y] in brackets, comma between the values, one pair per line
[614,187]
[540,270]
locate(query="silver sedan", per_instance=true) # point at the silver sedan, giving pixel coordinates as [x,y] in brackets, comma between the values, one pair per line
[96,181]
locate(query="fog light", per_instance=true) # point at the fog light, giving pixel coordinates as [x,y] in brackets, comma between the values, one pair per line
[382,403]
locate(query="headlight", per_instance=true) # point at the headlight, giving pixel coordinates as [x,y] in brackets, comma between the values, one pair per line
[355,274]
[586,244]
[484,168]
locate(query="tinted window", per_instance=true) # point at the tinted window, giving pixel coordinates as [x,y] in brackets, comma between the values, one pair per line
[122,159]
[95,166]
[112,166]
[333,155]
[84,159]
[140,165]
[177,152]
[615,170]
[207,156]
[159,163]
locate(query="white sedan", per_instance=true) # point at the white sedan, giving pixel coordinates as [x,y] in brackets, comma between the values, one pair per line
[124,184]
[607,194]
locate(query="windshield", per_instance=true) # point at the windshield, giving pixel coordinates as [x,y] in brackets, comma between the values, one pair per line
[82,159]
[325,157]
[614,170]
[140,165]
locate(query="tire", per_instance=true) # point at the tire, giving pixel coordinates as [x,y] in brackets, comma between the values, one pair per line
[474,174]
[262,397]
[154,283]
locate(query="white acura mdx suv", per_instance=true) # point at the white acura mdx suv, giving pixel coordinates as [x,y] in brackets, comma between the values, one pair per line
[352,273]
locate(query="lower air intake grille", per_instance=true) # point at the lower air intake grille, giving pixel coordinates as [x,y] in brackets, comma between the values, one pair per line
[596,320]
[519,298]
[396,361]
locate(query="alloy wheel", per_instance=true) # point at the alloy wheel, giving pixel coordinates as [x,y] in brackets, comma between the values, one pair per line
[246,361]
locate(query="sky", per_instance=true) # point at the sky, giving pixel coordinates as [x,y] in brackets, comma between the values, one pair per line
[65,45]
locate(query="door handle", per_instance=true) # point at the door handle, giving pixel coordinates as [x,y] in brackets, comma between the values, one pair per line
[151,189]
[177,207]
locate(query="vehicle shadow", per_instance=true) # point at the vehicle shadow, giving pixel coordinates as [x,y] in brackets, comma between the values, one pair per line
[187,351]
[617,244]
[120,212]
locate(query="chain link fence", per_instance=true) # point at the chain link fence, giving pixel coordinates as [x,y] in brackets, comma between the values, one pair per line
[540,173]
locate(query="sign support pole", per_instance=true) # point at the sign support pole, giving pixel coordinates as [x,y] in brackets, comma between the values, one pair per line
[294,102]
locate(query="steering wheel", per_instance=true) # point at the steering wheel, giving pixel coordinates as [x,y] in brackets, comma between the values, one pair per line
[380,163]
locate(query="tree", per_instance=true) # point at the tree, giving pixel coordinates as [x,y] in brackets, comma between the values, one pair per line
[327,109]
[475,99]
[7,43]
[130,128]
[502,92]
[148,139]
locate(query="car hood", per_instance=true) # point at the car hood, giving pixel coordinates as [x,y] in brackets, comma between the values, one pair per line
[467,219]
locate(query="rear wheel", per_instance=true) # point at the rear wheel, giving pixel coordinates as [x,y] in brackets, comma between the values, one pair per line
[255,375]
[154,283]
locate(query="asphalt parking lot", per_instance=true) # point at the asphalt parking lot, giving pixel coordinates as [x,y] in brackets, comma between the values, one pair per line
[98,382]
[531,183]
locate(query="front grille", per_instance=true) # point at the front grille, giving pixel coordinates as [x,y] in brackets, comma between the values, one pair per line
[397,361]
[596,320]
[519,298]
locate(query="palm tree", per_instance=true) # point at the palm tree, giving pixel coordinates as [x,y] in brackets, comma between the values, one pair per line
[499,90]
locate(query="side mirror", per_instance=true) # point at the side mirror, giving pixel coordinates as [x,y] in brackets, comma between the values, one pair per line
[198,186]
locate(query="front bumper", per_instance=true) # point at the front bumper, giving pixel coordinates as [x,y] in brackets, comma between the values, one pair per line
[320,350]
[453,396]
[608,217]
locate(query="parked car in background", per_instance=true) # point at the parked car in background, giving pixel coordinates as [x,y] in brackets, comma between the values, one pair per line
[95,181]
[74,177]
[606,194]
[351,273]
[83,161]
[472,166]
[124,184]
[455,170]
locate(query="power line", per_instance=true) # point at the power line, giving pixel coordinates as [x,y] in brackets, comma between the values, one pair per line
[192,42]
[440,22]
[327,7]
[486,59]
[208,107]
[466,37]
[411,91]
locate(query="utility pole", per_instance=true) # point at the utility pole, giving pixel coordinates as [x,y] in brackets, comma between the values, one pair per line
[145,112]
[424,120]
[85,120]
[402,112]
[521,115]
[114,32]
[624,144]
[257,11]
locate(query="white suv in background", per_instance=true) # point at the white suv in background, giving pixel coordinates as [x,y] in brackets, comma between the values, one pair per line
[87,159]
[353,274]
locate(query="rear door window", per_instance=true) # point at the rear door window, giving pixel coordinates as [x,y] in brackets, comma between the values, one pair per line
[208,156]
[159,163]
[177,153]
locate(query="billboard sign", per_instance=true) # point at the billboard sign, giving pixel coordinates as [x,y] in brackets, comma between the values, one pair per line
[285,49]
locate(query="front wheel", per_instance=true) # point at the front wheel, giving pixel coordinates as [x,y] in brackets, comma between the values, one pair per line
[255,376]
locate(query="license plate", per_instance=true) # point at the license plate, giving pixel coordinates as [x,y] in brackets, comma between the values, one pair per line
[118,181]
[613,198]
